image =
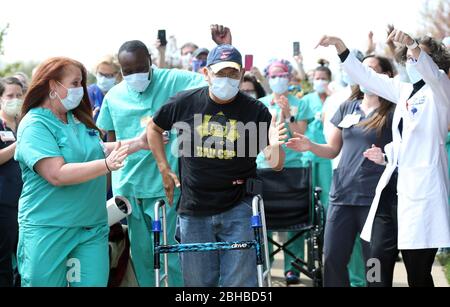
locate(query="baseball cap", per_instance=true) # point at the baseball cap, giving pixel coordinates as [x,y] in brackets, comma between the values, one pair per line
[224,56]
[200,51]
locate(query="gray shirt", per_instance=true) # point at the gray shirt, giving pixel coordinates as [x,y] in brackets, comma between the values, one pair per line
[356,178]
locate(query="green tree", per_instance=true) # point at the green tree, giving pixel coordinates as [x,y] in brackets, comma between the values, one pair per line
[436,18]
[2,37]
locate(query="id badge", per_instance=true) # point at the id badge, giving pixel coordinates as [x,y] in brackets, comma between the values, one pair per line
[349,121]
[7,136]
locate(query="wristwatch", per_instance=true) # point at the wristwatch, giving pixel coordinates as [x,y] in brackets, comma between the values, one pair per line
[290,120]
[413,45]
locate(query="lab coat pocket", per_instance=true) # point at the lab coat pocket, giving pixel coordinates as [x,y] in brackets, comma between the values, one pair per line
[417,183]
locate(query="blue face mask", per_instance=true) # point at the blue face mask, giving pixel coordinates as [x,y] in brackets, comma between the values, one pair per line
[279,85]
[413,74]
[73,98]
[104,83]
[225,88]
[140,81]
[197,64]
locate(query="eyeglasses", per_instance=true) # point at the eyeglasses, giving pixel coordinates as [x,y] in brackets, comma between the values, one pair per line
[235,75]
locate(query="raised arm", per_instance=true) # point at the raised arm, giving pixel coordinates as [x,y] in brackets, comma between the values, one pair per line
[379,84]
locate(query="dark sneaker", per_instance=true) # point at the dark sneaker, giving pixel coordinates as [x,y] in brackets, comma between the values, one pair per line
[292,278]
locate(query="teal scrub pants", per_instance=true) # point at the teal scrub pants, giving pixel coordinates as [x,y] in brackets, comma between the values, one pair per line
[141,241]
[61,257]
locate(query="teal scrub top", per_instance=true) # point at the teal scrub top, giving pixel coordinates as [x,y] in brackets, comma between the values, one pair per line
[315,126]
[127,112]
[42,135]
[300,111]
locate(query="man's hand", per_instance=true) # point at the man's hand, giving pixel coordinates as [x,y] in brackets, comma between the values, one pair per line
[170,181]
[299,143]
[221,35]
[277,133]
[375,154]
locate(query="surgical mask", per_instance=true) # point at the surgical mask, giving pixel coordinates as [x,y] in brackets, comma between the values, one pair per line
[186,60]
[366,91]
[73,98]
[104,83]
[139,82]
[12,107]
[225,88]
[345,79]
[413,74]
[279,85]
[320,86]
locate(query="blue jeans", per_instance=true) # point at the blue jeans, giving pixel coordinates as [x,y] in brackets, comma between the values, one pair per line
[236,268]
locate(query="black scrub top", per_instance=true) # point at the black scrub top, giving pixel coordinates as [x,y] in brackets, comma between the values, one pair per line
[356,178]
[10,175]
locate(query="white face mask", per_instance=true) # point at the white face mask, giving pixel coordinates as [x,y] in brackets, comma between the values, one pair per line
[320,86]
[139,82]
[186,60]
[413,74]
[73,98]
[225,88]
[279,85]
[12,107]
[104,83]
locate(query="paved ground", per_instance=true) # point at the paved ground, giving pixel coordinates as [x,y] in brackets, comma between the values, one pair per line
[400,277]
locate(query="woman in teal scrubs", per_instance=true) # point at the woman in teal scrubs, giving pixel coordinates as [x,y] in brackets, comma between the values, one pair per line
[63,229]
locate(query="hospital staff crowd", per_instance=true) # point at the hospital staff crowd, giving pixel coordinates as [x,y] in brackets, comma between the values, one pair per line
[377,137]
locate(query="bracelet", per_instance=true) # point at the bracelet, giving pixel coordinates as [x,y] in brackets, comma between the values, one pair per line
[106,163]
[413,45]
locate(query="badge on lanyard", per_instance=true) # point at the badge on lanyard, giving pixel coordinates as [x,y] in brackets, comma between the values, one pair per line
[7,136]
[349,121]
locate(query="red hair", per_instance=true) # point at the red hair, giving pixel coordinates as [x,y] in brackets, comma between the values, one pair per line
[54,69]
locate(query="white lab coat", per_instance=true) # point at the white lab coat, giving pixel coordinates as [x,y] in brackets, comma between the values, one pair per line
[420,154]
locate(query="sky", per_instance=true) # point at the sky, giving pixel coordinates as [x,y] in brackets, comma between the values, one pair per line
[88,30]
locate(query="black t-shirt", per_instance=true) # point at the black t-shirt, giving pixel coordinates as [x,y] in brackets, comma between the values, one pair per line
[356,178]
[216,146]
[10,175]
